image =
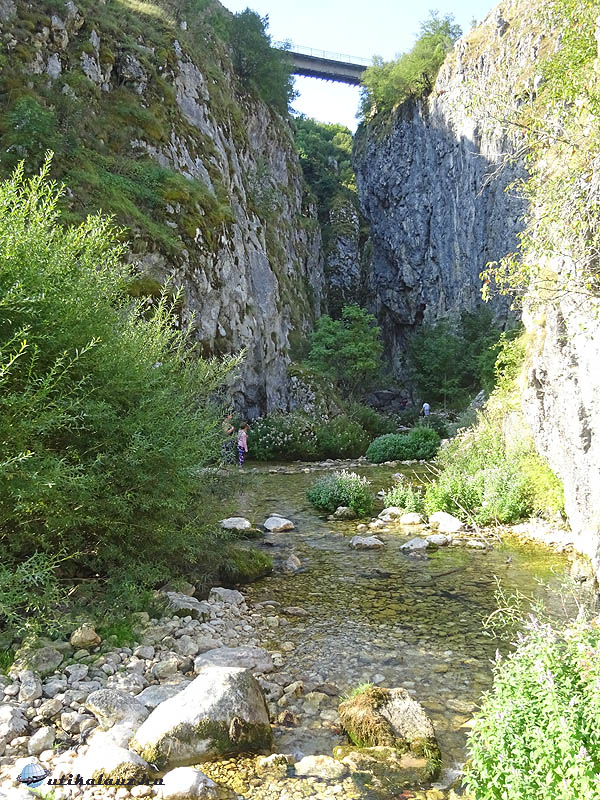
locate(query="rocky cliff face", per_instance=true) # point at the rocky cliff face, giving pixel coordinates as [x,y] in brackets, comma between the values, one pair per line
[432,183]
[203,174]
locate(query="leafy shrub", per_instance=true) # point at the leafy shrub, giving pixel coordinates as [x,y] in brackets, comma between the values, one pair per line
[386,84]
[452,361]
[342,489]
[405,496]
[105,410]
[341,437]
[438,424]
[347,350]
[374,422]
[419,444]
[408,417]
[537,734]
[285,437]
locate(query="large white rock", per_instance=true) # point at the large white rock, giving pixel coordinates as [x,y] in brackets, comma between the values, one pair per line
[12,722]
[85,637]
[391,513]
[228,596]
[321,767]
[182,605]
[112,707]
[236,524]
[185,783]
[112,761]
[366,543]
[415,545]
[276,524]
[153,696]
[411,518]
[42,739]
[223,711]
[31,686]
[253,658]
[445,523]
[438,540]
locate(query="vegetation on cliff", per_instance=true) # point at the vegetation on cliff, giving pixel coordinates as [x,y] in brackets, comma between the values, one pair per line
[386,84]
[106,419]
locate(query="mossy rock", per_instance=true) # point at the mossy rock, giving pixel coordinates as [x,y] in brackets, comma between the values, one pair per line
[243,565]
[390,718]
[385,767]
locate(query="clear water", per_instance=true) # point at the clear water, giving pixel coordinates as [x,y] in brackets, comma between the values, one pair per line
[385,616]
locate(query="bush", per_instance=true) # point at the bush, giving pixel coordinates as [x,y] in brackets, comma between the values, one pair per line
[342,489]
[341,437]
[386,84]
[404,496]
[375,423]
[419,444]
[105,410]
[260,65]
[283,437]
[537,734]
[438,424]
[347,350]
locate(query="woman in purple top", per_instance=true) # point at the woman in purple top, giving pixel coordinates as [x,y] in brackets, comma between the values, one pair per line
[242,443]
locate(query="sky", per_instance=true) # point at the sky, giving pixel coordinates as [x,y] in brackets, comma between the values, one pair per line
[362,28]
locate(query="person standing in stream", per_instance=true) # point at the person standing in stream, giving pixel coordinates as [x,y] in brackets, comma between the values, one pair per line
[242,443]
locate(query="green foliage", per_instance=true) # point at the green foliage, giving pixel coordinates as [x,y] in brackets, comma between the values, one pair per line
[405,496]
[451,362]
[33,131]
[386,84]
[537,734]
[285,437]
[262,67]
[418,444]
[341,437]
[547,491]
[244,565]
[372,421]
[348,350]
[105,410]
[562,138]
[342,489]
[437,423]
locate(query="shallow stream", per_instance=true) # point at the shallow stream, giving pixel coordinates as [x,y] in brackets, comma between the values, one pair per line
[383,616]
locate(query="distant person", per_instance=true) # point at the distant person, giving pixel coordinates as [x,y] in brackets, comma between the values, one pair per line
[425,409]
[228,446]
[242,443]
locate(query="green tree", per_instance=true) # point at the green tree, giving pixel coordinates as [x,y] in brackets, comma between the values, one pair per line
[348,350]
[388,83]
[262,67]
[105,408]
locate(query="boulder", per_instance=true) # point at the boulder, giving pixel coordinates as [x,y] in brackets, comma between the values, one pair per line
[366,543]
[275,765]
[445,523]
[223,711]
[185,783]
[153,696]
[236,524]
[391,514]
[277,524]
[438,540]
[321,767]
[43,660]
[182,605]
[31,686]
[295,611]
[12,722]
[111,707]
[385,768]
[411,518]
[344,513]
[415,545]
[253,658]
[117,763]
[85,637]
[389,718]
[42,739]
[230,597]
[292,564]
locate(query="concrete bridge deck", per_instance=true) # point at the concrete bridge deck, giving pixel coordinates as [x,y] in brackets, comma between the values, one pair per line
[328,66]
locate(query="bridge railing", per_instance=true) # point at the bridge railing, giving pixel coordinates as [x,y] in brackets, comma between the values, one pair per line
[344,57]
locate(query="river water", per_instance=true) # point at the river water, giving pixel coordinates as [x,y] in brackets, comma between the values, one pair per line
[383,616]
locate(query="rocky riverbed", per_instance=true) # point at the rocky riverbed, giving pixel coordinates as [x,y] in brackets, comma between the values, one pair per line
[330,617]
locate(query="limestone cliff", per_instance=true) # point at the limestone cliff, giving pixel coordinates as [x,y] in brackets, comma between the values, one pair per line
[150,122]
[433,184]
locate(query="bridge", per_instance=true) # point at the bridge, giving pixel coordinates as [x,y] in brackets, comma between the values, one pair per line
[328,66]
